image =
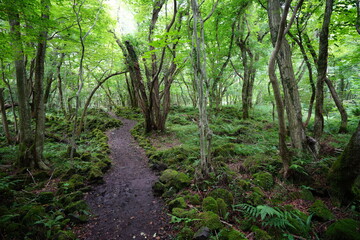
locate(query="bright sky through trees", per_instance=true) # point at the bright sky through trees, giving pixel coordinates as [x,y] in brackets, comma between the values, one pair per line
[125,19]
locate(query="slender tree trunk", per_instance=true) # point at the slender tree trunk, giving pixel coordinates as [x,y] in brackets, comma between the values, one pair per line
[58,73]
[199,64]
[290,88]
[322,64]
[4,117]
[339,105]
[26,140]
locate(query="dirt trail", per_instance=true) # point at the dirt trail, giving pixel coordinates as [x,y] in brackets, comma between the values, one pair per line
[124,206]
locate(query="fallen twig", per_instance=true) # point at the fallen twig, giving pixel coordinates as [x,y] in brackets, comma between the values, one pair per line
[31,175]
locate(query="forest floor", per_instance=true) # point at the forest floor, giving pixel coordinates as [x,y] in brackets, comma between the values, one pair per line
[124,207]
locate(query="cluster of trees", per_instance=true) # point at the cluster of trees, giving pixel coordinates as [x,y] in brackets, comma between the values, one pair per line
[57,54]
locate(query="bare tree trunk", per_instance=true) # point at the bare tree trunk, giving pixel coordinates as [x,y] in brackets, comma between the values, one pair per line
[26,140]
[4,118]
[339,105]
[322,64]
[199,65]
[61,96]
[290,88]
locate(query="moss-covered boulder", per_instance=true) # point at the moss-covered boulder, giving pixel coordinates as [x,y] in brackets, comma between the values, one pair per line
[174,179]
[230,234]
[210,204]
[158,188]
[210,220]
[77,181]
[185,234]
[306,194]
[183,213]
[321,211]
[344,229]
[260,234]
[45,197]
[245,185]
[177,203]
[224,194]
[256,197]
[194,199]
[65,235]
[95,175]
[72,197]
[76,207]
[222,207]
[264,180]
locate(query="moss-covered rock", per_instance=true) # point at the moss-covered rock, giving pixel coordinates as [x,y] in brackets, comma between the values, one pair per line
[321,211]
[76,207]
[65,235]
[45,197]
[210,220]
[230,234]
[183,213]
[72,197]
[306,194]
[260,234]
[177,203]
[344,229]
[222,207]
[95,175]
[264,180]
[256,197]
[245,185]
[194,199]
[224,194]
[158,188]
[210,204]
[77,181]
[175,179]
[185,234]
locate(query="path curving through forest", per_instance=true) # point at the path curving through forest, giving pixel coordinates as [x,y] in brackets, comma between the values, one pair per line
[124,207]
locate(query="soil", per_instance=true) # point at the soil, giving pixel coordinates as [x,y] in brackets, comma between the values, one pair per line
[124,207]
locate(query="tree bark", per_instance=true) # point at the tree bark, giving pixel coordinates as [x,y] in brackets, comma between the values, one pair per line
[199,65]
[58,73]
[4,117]
[290,88]
[345,170]
[322,64]
[26,140]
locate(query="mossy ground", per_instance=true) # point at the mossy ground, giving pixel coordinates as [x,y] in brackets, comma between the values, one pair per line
[246,165]
[48,204]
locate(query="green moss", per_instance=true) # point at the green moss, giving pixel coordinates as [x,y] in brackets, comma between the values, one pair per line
[245,185]
[224,194]
[185,234]
[175,179]
[230,234]
[45,197]
[177,203]
[72,197]
[77,181]
[256,197]
[344,229]
[210,204]
[264,180]
[65,235]
[320,211]
[194,199]
[222,207]
[34,214]
[182,213]
[95,175]
[306,194]
[210,220]
[76,206]
[158,188]
[261,234]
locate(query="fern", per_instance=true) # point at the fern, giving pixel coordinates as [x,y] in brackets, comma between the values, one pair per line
[269,216]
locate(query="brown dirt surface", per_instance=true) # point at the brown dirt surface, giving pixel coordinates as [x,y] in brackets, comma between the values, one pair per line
[124,207]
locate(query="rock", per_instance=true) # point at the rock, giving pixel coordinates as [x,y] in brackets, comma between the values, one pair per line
[210,220]
[45,197]
[306,194]
[320,211]
[194,199]
[224,194]
[210,204]
[231,234]
[177,203]
[175,179]
[344,229]
[158,188]
[261,234]
[264,180]
[185,234]
[202,234]
[95,175]
[222,207]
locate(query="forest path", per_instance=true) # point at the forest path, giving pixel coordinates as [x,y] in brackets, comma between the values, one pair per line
[124,207]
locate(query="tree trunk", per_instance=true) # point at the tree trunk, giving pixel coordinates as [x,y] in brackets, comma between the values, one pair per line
[339,105]
[199,65]
[345,170]
[322,64]
[4,118]
[26,140]
[58,72]
[290,88]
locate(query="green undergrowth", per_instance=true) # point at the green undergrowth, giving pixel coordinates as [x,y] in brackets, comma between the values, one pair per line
[245,194]
[36,204]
